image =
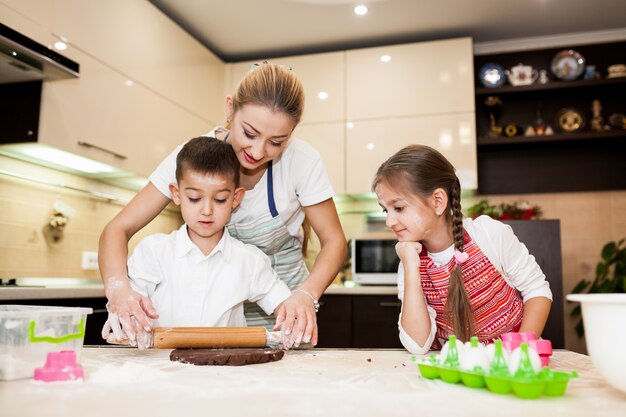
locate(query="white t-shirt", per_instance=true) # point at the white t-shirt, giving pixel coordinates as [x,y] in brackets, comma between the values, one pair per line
[299,179]
[190,289]
[504,250]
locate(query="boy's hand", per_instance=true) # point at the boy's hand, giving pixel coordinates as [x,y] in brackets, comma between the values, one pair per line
[128,312]
[296,318]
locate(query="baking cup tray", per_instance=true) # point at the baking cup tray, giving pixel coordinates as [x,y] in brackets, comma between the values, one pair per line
[546,382]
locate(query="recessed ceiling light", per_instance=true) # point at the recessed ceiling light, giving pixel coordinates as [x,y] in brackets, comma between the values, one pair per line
[360,10]
[60,45]
[129,83]
[385,58]
[370,146]
[322,95]
[349,125]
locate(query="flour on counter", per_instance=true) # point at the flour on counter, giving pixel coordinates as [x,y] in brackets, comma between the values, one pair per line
[128,373]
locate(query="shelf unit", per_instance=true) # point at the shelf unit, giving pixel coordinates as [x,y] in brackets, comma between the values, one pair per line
[584,160]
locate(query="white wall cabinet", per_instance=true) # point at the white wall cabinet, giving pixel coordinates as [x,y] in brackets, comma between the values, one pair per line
[139,41]
[370,142]
[418,79]
[102,109]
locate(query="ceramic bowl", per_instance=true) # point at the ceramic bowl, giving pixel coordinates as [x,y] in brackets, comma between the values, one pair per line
[605,334]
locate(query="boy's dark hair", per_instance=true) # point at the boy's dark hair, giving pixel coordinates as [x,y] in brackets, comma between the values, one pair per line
[208,156]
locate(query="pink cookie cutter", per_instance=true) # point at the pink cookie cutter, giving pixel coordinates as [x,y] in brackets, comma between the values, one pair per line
[60,366]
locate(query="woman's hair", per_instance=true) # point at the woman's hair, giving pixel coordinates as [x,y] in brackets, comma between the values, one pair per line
[273,86]
[209,156]
[421,170]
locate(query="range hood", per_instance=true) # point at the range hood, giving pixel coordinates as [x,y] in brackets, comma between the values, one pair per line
[22,59]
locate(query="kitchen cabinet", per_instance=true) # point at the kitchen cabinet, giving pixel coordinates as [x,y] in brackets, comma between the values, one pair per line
[139,41]
[127,125]
[32,18]
[563,161]
[358,321]
[425,78]
[95,320]
[370,142]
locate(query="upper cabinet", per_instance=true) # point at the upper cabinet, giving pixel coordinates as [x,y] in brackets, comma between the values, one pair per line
[32,18]
[105,116]
[139,41]
[370,142]
[410,80]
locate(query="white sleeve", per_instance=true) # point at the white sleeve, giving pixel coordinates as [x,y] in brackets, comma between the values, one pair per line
[266,289]
[165,173]
[511,257]
[143,267]
[310,179]
[406,340]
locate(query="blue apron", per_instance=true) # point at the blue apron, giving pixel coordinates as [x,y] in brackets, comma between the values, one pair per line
[270,234]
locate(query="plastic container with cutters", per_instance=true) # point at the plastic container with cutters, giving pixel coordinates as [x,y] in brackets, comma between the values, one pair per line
[29,333]
[525,382]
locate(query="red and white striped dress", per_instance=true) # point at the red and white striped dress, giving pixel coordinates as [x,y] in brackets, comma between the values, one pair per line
[498,307]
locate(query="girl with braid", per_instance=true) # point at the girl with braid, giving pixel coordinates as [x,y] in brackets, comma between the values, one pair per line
[457,276]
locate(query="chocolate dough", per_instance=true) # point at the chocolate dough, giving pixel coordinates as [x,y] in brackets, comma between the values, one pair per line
[229,357]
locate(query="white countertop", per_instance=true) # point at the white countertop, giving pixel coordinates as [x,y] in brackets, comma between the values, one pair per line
[128,382]
[53,288]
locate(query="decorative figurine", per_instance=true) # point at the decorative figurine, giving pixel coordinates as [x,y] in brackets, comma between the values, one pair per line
[538,124]
[494,104]
[530,131]
[591,73]
[549,131]
[543,77]
[597,122]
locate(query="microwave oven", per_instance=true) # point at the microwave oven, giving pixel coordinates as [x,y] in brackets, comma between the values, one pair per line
[374,261]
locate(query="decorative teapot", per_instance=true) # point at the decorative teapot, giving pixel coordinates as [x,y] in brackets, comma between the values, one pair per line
[522,75]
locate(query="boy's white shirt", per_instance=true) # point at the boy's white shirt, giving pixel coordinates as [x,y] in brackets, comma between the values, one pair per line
[504,250]
[190,289]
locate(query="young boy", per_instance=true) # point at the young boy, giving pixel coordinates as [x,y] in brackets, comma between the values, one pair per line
[199,275]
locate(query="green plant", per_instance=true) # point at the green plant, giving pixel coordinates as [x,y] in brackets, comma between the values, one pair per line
[518,210]
[610,277]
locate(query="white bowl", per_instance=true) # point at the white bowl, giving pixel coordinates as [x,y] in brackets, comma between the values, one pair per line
[604,317]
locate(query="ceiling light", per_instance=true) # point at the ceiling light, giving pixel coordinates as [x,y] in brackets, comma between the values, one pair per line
[349,125]
[370,146]
[385,58]
[61,46]
[360,10]
[129,83]
[322,95]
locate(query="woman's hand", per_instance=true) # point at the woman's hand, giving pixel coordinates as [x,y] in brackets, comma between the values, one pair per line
[129,313]
[296,318]
[409,253]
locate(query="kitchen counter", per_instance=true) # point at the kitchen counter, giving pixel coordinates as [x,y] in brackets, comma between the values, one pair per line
[50,288]
[122,381]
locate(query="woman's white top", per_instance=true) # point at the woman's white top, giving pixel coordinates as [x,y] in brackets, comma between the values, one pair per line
[504,250]
[299,180]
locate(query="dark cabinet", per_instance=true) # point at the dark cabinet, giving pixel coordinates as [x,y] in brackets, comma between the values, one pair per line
[580,160]
[358,321]
[95,321]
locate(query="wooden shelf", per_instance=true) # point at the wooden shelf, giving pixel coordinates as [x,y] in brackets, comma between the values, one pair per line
[560,137]
[552,85]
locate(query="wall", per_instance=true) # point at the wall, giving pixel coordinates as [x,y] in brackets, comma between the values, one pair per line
[25,207]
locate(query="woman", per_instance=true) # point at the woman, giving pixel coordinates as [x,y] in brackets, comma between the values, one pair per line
[285,182]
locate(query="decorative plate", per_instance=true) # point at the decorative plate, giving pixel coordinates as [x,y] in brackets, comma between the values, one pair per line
[568,65]
[570,120]
[492,75]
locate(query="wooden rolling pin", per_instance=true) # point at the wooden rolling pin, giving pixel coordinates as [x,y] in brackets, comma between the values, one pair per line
[208,337]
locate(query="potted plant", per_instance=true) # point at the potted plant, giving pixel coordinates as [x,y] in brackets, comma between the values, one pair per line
[610,277]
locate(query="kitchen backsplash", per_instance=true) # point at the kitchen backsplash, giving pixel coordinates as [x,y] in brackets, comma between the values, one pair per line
[26,207]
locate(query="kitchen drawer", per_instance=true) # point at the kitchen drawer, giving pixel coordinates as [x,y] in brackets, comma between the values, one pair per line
[333,321]
[375,321]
